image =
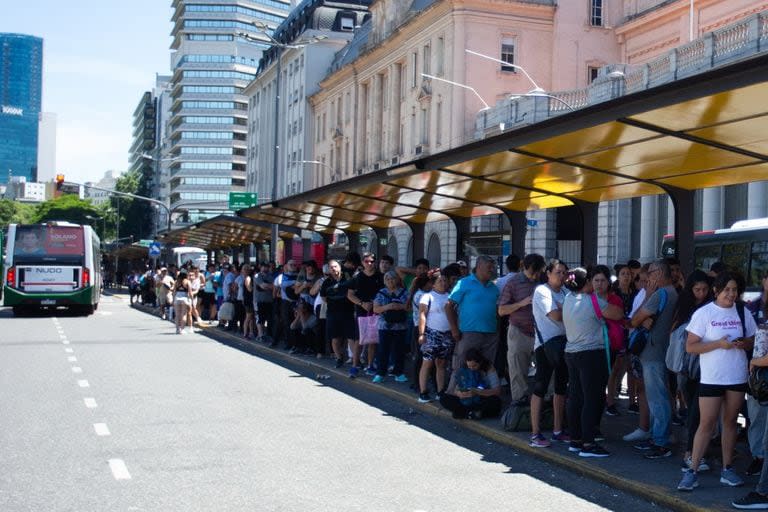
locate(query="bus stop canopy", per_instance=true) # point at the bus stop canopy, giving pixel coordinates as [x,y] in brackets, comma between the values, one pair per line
[707,130]
[222,232]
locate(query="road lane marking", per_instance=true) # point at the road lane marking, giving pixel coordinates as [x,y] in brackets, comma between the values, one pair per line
[83,384]
[66,342]
[77,369]
[101,429]
[72,359]
[119,469]
[69,350]
[90,403]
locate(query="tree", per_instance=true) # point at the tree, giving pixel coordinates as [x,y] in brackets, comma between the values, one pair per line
[68,207]
[15,212]
[135,214]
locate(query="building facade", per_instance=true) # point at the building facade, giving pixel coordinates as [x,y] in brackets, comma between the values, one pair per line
[211,64]
[21,84]
[46,147]
[280,143]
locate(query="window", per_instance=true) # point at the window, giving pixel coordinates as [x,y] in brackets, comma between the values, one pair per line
[439,123]
[427,58]
[508,53]
[596,13]
[414,69]
[592,73]
[440,57]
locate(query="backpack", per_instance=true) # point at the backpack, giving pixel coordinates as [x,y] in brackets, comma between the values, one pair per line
[640,336]
[677,359]
[517,418]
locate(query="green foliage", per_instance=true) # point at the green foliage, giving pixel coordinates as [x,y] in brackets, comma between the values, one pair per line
[67,207]
[15,212]
[135,214]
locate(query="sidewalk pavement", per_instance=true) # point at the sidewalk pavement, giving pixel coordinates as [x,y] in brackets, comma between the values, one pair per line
[625,470]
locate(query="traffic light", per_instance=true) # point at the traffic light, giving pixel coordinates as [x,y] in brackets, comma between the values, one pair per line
[59,182]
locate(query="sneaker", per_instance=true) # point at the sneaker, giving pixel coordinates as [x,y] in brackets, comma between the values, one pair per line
[594,450]
[378,379]
[729,477]
[424,398]
[599,437]
[370,371]
[633,409]
[689,482]
[339,363]
[353,372]
[688,464]
[637,435]
[644,445]
[561,437]
[401,378]
[475,415]
[752,501]
[539,441]
[755,467]
[658,452]
[611,410]
[575,446]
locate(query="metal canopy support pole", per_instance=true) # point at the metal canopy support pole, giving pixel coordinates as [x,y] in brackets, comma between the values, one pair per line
[463,230]
[518,225]
[417,230]
[588,213]
[381,234]
[354,241]
[327,242]
[306,249]
[288,244]
[683,203]
[276,155]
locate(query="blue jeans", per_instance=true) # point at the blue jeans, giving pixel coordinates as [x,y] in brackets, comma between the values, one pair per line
[391,345]
[655,380]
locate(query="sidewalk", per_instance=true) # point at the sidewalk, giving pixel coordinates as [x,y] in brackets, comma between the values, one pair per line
[625,469]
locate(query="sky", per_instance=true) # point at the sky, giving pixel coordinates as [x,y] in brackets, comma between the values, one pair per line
[99,57]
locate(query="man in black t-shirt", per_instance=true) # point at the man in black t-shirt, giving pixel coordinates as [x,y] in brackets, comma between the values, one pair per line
[363,287]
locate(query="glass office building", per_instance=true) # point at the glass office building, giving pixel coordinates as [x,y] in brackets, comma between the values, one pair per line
[21,84]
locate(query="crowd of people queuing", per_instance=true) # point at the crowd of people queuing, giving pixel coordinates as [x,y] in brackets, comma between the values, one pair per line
[583,331]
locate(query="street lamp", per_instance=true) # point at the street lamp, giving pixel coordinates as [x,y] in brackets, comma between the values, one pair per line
[313,162]
[516,97]
[432,77]
[279,47]
[536,87]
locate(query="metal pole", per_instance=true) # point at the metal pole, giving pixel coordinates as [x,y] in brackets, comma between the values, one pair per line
[275,227]
[117,239]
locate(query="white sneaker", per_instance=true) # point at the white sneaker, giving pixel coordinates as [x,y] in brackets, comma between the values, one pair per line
[637,435]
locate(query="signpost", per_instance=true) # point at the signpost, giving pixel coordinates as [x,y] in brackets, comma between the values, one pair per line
[241,200]
[154,250]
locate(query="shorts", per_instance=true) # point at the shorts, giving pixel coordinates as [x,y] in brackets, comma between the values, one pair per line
[718,390]
[264,310]
[550,360]
[340,326]
[182,300]
[206,299]
[437,344]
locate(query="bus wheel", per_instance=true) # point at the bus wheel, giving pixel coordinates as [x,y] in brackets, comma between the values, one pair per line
[21,311]
[86,310]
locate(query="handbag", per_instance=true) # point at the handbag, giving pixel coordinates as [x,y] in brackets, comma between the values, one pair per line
[369,329]
[227,312]
[603,328]
[638,339]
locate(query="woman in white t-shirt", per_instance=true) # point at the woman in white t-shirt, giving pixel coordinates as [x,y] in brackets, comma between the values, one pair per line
[435,339]
[716,333]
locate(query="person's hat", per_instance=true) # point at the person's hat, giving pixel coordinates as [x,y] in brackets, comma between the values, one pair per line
[461,263]
[163,269]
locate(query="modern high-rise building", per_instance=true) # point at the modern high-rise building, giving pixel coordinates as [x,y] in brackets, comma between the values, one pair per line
[21,86]
[212,63]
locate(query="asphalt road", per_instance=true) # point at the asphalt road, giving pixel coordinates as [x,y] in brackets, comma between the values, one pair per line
[115,412]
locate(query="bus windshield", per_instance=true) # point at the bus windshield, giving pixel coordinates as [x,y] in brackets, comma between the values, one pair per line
[48,244]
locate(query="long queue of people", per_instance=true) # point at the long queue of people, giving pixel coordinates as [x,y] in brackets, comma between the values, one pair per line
[684,346]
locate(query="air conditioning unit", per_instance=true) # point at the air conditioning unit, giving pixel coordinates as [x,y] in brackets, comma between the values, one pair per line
[376,166]
[418,149]
[359,172]
[395,160]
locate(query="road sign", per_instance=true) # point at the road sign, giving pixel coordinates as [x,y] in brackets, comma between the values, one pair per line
[532,223]
[154,250]
[240,200]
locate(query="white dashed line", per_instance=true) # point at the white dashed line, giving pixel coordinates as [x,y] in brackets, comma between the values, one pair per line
[90,403]
[69,350]
[101,429]
[77,369]
[119,470]
[72,359]
[83,384]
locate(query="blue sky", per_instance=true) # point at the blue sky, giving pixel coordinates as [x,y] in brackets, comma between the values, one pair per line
[98,59]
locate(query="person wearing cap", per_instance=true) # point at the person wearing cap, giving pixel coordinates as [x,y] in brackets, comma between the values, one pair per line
[464,268]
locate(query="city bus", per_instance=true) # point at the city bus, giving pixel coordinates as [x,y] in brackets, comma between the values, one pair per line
[742,247]
[180,256]
[51,265]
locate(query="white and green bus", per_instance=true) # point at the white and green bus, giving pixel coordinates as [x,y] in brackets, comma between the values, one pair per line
[51,265]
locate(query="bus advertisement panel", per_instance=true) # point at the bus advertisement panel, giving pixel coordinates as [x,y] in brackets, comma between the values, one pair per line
[41,243]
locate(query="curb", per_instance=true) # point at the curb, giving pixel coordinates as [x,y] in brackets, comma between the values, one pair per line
[658,495]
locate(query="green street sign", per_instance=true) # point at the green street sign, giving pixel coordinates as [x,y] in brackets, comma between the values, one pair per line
[241,200]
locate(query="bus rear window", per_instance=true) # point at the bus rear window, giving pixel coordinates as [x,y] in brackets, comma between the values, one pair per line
[48,244]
